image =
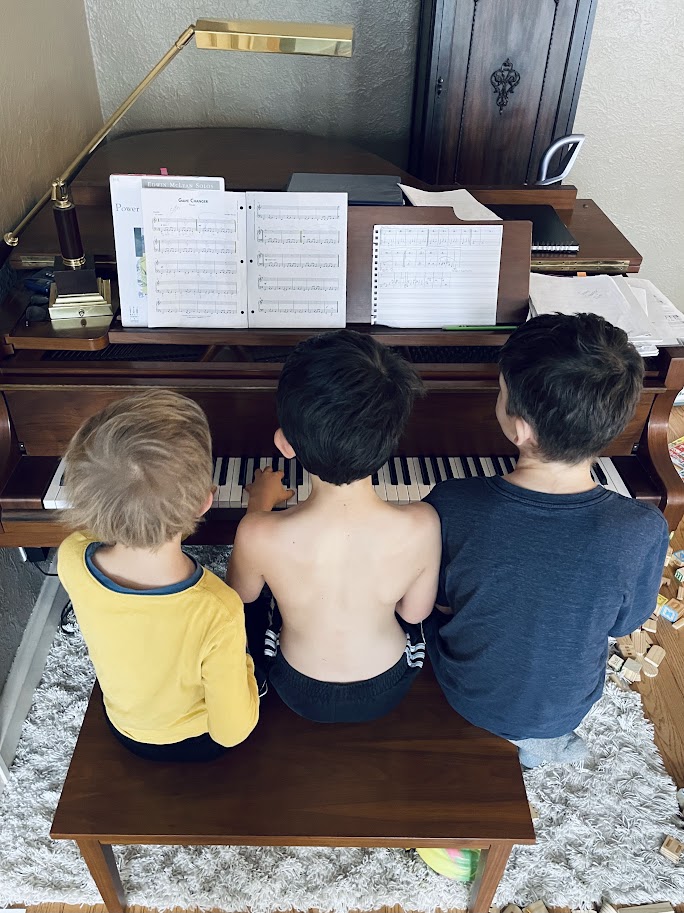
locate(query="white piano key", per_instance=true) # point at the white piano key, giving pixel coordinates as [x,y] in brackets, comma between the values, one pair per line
[264,463]
[227,498]
[218,462]
[249,477]
[471,466]
[614,476]
[443,475]
[379,488]
[431,474]
[402,488]
[307,483]
[488,466]
[423,487]
[50,499]
[457,467]
[413,488]
[235,493]
[390,489]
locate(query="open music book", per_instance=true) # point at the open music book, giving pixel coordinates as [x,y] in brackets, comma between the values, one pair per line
[223,259]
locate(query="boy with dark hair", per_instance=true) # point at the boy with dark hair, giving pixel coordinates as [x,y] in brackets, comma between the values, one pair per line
[541,566]
[344,566]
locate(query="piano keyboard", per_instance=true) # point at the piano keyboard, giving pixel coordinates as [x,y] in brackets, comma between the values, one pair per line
[401,480]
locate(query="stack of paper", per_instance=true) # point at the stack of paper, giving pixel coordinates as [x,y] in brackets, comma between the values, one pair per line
[667,319]
[611,297]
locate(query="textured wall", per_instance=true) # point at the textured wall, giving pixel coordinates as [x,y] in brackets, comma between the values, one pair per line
[49,102]
[631,109]
[19,587]
[366,98]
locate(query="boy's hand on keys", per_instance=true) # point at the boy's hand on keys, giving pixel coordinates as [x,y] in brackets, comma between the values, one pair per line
[267,490]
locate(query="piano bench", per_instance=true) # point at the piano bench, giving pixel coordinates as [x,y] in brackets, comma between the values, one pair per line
[419,777]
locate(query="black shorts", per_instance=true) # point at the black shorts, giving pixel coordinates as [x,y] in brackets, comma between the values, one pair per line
[198,748]
[341,702]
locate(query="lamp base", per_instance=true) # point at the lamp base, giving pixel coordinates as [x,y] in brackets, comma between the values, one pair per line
[79,292]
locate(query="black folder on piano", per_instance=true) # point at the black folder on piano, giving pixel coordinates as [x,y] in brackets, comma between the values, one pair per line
[363,189]
[549,234]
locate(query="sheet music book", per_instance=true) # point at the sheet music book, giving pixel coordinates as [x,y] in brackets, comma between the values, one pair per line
[435,275]
[129,241]
[222,259]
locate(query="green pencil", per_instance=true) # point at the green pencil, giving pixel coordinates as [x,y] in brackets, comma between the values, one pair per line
[499,326]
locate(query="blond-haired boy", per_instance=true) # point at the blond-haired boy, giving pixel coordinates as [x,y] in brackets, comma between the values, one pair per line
[166,636]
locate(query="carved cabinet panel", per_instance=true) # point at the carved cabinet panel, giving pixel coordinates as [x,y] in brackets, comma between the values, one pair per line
[496,82]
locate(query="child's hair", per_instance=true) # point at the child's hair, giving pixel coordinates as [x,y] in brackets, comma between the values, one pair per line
[343,403]
[575,379]
[139,472]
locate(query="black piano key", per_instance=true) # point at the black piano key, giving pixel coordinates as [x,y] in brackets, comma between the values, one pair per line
[510,465]
[224,471]
[405,470]
[401,479]
[423,470]
[374,479]
[300,473]
[435,469]
[392,471]
[286,474]
[498,468]
[274,463]
[479,467]
[466,468]
[447,468]
[600,474]
[242,472]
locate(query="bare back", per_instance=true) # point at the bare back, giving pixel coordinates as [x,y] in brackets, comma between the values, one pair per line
[339,569]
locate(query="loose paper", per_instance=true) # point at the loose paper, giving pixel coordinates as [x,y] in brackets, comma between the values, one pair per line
[464,204]
[435,275]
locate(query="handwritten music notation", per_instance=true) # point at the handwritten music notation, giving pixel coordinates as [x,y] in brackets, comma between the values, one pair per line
[197,264]
[435,275]
[300,242]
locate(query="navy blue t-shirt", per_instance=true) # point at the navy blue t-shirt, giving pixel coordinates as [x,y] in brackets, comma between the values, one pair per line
[537,582]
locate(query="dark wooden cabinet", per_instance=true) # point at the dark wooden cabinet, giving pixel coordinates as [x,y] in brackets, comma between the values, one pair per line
[496,82]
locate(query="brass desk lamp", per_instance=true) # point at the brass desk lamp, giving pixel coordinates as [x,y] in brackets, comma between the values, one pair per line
[76,279]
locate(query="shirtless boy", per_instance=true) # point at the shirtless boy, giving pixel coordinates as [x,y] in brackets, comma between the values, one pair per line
[352,575]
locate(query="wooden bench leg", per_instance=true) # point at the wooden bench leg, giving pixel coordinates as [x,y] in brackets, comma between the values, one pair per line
[100,860]
[489,871]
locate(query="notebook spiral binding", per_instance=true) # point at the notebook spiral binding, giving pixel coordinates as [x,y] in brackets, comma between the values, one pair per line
[374,293]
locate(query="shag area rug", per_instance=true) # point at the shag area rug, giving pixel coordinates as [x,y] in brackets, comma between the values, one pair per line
[598,831]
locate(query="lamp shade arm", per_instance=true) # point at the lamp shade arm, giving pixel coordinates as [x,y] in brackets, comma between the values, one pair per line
[11,238]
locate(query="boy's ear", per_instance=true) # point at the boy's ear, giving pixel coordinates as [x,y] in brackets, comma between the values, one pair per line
[525,438]
[283,444]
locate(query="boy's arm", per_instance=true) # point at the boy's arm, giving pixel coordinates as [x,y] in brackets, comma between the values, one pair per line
[245,568]
[419,600]
[230,689]
[643,600]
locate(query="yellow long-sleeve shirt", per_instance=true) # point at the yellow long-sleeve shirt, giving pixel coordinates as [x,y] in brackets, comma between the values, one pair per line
[170,666]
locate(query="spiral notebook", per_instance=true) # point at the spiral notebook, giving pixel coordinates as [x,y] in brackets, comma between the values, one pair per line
[435,275]
[549,234]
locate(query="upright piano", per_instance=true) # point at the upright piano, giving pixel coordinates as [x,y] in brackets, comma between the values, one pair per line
[51,380]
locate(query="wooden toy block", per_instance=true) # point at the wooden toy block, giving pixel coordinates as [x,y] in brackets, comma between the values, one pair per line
[680,592]
[649,670]
[620,682]
[670,550]
[639,642]
[511,908]
[655,656]
[537,907]
[678,624]
[660,602]
[607,908]
[615,662]
[650,625]
[631,670]
[678,558]
[672,849]
[649,908]
[679,575]
[671,610]
[664,581]
[626,647]
[534,812]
